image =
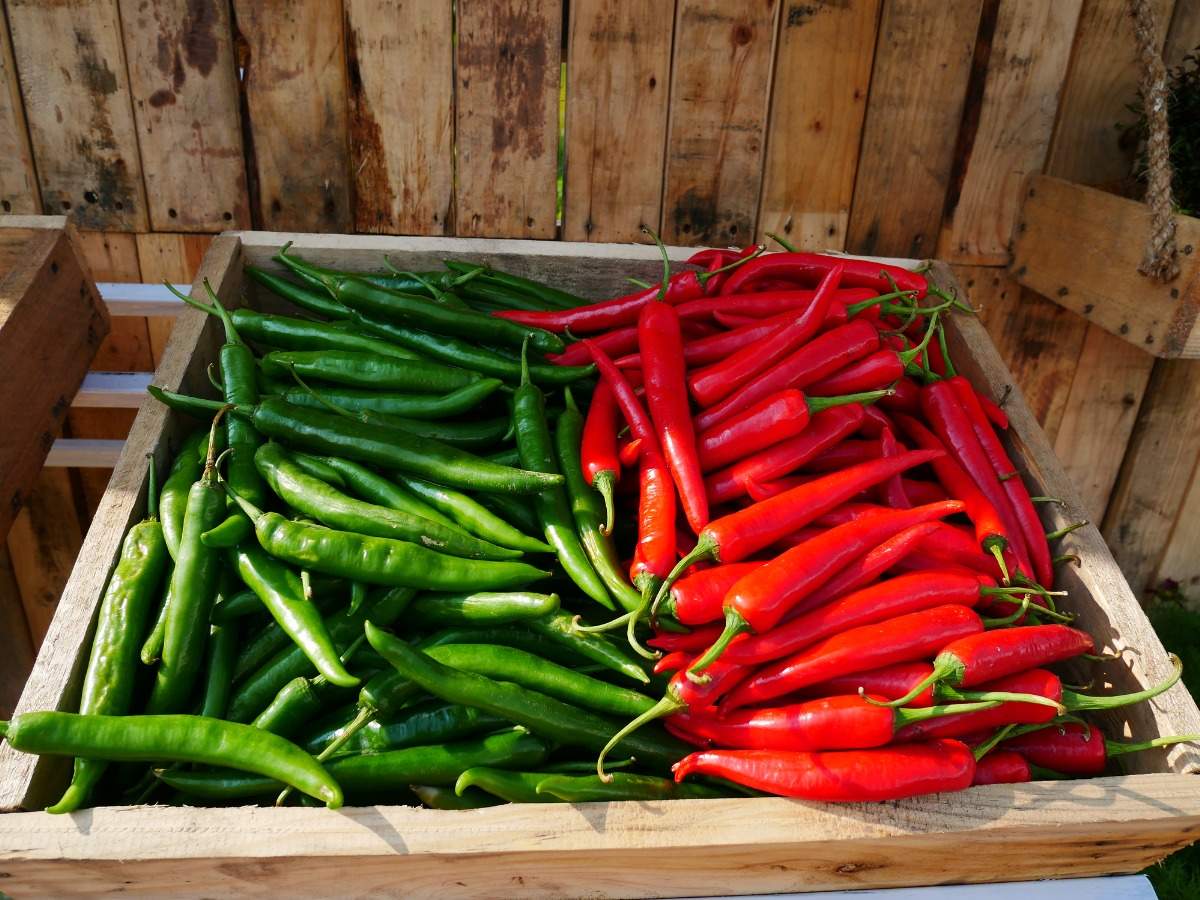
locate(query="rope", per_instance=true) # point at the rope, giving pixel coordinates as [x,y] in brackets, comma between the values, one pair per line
[1160,259]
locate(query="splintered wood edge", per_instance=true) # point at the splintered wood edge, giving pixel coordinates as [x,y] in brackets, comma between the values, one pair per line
[1101,597]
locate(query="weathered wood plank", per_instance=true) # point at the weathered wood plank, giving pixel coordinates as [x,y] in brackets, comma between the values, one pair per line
[18,180]
[400,63]
[720,87]
[507,117]
[19,653]
[77,100]
[818,101]
[184,85]
[168,257]
[1180,562]
[1009,132]
[913,115]
[295,87]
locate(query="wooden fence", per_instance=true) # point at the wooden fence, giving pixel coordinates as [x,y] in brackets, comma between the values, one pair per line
[896,127]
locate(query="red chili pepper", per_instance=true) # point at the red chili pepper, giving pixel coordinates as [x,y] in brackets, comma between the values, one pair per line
[889,681]
[702,259]
[609,314]
[654,554]
[989,527]
[878,370]
[875,603]
[818,358]
[619,381]
[617,342]
[710,384]
[1074,749]
[696,599]
[719,268]
[998,417]
[1002,767]
[810,267]
[976,659]
[902,639]
[847,453]
[871,565]
[947,543]
[778,304]
[906,399]
[763,597]
[629,449]
[1024,512]
[953,426]
[825,430]
[922,492]
[666,394]
[893,488]
[1032,683]
[598,451]
[840,776]
[692,642]
[774,419]
[672,662]
[875,421]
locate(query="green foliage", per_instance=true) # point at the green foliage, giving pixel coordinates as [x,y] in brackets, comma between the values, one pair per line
[1183,114]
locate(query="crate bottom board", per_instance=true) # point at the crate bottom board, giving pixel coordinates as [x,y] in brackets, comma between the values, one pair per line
[666,848]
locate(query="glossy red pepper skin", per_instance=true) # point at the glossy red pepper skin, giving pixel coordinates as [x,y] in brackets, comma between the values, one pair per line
[691,643]
[824,431]
[905,398]
[820,357]
[654,555]
[1069,748]
[840,776]
[719,380]
[878,602]
[904,639]
[891,682]
[879,370]
[995,414]
[773,304]
[598,450]
[1011,712]
[780,416]
[672,662]
[608,314]
[871,565]
[664,373]
[696,598]
[981,658]
[892,489]
[617,342]
[765,595]
[846,722]
[847,453]
[811,267]
[1002,767]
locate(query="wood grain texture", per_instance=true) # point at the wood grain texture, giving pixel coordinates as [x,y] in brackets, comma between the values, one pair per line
[1184,34]
[168,257]
[18,180]
[720,88]
[76,89]
[185,100]
[400,63]
[819,98]
[913,115]
[1180,563]
[17,658]
[695,847]
[507,117]
[1010,129]
[295,90]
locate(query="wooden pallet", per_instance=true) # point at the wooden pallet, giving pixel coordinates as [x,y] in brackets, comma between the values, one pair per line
[1000,833]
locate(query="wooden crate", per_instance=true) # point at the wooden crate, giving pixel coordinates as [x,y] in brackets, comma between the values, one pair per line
[998,833]
[1081,247]
[51,323]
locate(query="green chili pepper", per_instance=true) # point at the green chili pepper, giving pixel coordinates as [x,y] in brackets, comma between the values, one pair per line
[317,467]
[621,786]
[515,787]
[333,508]
[298,703]
[291,333]
[377,772]
[185,471]
[513,510]
[554,515]
[557,721]
[316,301]
[489,608]
[174,738]
[426,723]
[472,434]
[412,406]
[436,797]
[331,434]
[218,676]
[487,296]
[362,296]
[356,368]
[231,607]
[374,488]
[111,672]
[509,457]
[280,591]
[507,636]
[551,296]
[193,590]
[587,508]
[471,515]
[560,627]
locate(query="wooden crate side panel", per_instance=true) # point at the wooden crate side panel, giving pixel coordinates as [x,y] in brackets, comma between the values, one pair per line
[509,53]
[400,71]
[185,100]
[1010,129]
[18,180]
[720,86]
[295,88]
[54,682]
[819,98]
[1180,560]
[76,89]
[17,659]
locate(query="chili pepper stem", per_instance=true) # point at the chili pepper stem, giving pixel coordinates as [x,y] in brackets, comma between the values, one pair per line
[1067,558]
[668,705]
[908,716]
[1022,610]
[994,547]
[1116,748]
[940,671]
[735,624]
[1065,530]
[1081,702]
[1000,697]
[790,248]
[610,625]
[634,617]
[704,549]
[603,482]
[987,746]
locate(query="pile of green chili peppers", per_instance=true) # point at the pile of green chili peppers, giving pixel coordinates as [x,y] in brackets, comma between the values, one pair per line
[363,575]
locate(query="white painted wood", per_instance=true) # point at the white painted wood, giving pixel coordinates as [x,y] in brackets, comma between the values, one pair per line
[84,453]
[127,299]
[1116,887]
[113,390]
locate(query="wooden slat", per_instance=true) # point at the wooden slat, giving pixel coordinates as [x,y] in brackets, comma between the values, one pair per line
[77,99]
[168,257]
[653,849]
[84,453]
[295,84]
[507,117]
[18,181]
[1180,562]
[401,88]
[181,73]
[18,655]
[1184,34]
[1156,472]
[720,86]
[1009,131]
[819,98]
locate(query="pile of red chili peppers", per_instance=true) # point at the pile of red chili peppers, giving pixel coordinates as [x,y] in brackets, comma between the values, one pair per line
[848,577]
